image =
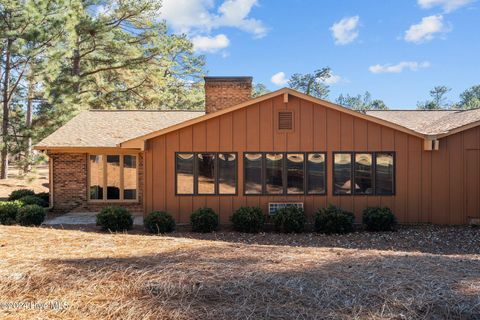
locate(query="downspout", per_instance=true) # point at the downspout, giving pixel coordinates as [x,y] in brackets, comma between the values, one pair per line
[50,182]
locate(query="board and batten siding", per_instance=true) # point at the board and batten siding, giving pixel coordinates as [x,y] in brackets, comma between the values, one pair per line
[430,185]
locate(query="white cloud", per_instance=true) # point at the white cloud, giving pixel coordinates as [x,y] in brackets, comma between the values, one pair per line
[199,16]
[334,78]
[345,30]
[210,44]
[447,5]
[279,79]
[399,67]
[426,29]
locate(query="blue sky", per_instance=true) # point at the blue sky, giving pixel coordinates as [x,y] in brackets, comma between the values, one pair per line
[396,49]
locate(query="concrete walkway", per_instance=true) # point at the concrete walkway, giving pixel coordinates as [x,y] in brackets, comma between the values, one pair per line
[74,218]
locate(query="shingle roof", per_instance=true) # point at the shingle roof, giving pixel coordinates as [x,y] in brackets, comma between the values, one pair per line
[429,122]
[109,128]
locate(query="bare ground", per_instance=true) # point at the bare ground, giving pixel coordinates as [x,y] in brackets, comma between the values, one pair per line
[37,180]
[415,273]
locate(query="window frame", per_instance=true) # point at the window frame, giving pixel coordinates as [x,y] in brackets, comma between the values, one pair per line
[285,174]
[105,174]
[195,175]
[374,173]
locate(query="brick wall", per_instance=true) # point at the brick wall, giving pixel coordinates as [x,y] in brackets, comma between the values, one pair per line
[69,181]
[224,92]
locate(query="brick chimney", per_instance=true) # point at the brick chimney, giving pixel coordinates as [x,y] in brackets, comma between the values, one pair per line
[224,92]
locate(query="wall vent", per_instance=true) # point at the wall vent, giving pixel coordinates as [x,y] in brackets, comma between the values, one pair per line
[274,206]
[285,120]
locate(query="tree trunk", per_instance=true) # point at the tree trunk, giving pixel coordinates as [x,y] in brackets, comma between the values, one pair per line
[28,120]
[6,111]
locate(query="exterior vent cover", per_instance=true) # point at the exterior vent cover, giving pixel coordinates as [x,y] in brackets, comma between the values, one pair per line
[274,206]
[285,120]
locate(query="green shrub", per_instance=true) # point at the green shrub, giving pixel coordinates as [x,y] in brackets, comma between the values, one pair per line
[115,218]
[334,220]
[30,215]
[159,222]
[379,219]
[20,193]
[8,211]
[45,196]
[27,200]
[248,219]
[289,219]
[204,220]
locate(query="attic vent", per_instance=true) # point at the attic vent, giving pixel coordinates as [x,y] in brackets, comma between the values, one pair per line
[285,120]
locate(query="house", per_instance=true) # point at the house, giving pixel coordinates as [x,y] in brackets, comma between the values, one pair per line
[282,147]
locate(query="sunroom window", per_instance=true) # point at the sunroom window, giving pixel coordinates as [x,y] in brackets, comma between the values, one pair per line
[113,177]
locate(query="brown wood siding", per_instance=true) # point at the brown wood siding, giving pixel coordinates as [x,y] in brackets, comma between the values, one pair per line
[431,186]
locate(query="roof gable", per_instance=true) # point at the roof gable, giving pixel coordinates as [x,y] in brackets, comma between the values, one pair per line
[138,142]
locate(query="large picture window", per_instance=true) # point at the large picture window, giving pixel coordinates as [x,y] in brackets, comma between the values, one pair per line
[113,177]
[273,173]
[253,163]
[385,173]
[316,173]
[206,173]
[372,173]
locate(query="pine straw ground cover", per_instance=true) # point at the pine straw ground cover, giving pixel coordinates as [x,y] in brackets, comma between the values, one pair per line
[428,273]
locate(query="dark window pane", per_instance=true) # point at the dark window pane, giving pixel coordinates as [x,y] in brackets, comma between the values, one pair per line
[206,173]
[363,173]
[129,177]
[253,173]
[96,177]
[316,173]
[184,171]
[227,169]
[342,173]
[385,169]
[295,173]
[274,173]
[113,177]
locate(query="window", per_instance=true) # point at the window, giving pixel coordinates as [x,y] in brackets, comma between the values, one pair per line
[295,173]
[207,173]
[253,173]
[113,177]
[115,174]
[284,173]
[129,177]
[363,173]
[227,173]
[316,173]
[184,166]
[384,174]
[372,172]
[342,173]
[205,177]
[96,177]
[274,173]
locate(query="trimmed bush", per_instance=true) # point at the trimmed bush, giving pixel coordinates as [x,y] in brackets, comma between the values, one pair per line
[204,220]
[8,211]
[28,200]
[379,219]
[30,215]
[289,219]
[45,196]
[20,193]
[115,218]
[159,222]
[248,219]
[334,220]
